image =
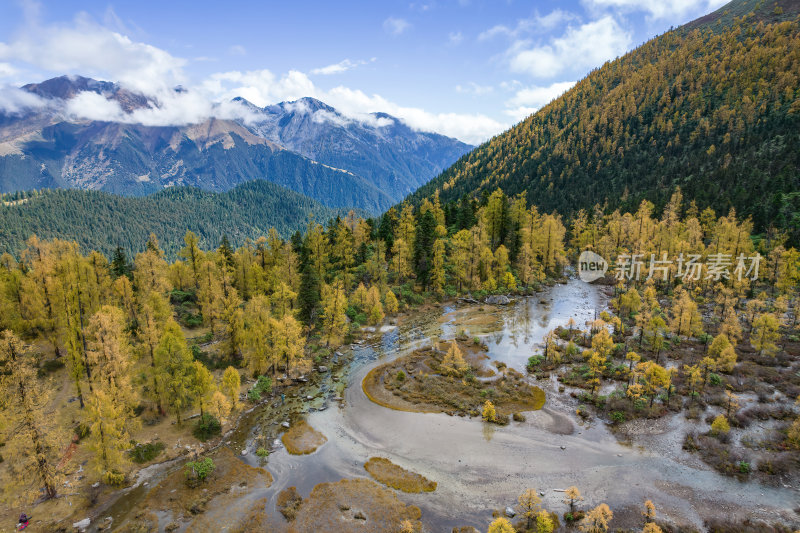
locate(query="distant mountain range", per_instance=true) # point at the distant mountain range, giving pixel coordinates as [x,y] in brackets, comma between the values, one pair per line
[305,146]
[379,147]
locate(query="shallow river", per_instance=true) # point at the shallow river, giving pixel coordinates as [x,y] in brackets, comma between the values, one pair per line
[480,467]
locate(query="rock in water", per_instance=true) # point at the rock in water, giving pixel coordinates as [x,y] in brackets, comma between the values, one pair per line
[497,299]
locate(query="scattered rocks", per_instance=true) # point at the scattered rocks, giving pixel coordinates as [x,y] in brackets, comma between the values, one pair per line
[359,516]
[285,425]
[322,369]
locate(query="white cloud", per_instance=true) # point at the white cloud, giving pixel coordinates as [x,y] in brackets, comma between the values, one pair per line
[528,100]
[14,100]
[342,66]
[395,26]
[474,88]
[659,9]
[93,50]
[181,109]
[237,50]
[472,128]
[540,95]
[454,38]
[7,70]
[87,48]
[263,88]
[92,106]
[586,46]
[528,25]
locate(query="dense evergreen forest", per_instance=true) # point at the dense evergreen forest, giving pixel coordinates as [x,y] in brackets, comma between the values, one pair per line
[102,221]
[713,108]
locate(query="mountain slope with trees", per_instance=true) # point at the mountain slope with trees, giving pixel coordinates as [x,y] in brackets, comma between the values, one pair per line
[102,221]
[713,107]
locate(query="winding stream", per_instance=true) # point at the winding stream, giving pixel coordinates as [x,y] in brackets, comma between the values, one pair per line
[481,467]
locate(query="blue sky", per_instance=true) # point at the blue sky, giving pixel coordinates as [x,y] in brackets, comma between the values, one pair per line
[465,68]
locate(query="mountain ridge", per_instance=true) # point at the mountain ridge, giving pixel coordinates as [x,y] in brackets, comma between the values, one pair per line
[45,147]
[701,110]
[378,146]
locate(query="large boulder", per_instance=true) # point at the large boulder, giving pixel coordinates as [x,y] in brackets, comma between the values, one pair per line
[497,299]
[82,525]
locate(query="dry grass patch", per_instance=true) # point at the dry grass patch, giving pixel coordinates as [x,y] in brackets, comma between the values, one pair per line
[397,477]
[289,502]
[255,520]
[224,486]
[301,439]
[415,383]
[353,505]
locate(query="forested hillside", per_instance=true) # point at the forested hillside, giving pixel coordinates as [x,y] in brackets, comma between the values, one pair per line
[713,107]
[389,154]
[102,221]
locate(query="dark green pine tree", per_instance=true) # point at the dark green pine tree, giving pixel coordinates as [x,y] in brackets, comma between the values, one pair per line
[297,242]
[308,296]
[226,251]
[386,230]
[423,247]
[466,213]
[120,266]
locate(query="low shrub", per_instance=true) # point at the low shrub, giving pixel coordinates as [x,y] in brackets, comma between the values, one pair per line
[263,386]
[197,471]
[113,478]
[534,361]
[144,453]
[207,426]
[50,366]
